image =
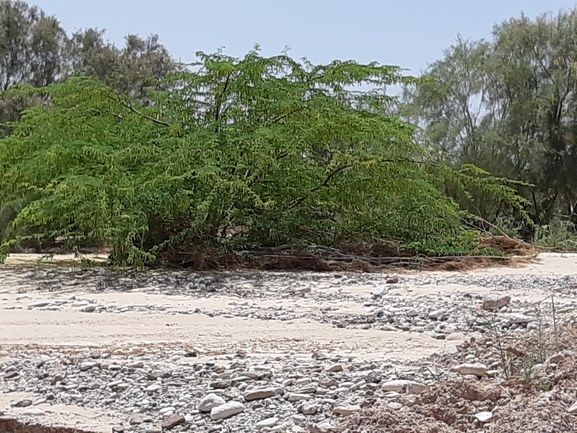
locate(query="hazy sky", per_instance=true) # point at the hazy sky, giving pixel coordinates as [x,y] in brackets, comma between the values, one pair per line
[408,33]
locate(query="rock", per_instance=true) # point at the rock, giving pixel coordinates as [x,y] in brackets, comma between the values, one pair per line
[34,412]
[412,312]
[298,397]
[87,365]
[324,427]
[39,305]
[136,419]
[335,368]
[477,369]
[436,314]
[117,429]
[210,401]
[226,410]
[135,364]
[21,403]
[410,386]
[494,302]
[573,409]
[394,405]
[392,280]
[153,388]
[259,394]
[266,423]
[309,409]
[89,309]
[451,349]
[346,410]
[555,359]
[455,336]
[10,374]
[380,291]
[172,421]
[518,319]
[484,416]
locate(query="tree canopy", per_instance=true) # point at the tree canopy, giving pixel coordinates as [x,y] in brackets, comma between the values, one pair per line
[236,154]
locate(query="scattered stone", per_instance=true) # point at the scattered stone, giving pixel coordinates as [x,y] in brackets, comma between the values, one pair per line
[477,369]
[394,405]
[346,410]
[34,412]
[298,397]
[226,410]
[259,394]
[380,291]
[335,368]
[573,409]
[484,416]
[210,401]
[410,386]
[451,349]
[266,423]
[172,421]
[393,280]
[495,302]
[136,419]
[87,365]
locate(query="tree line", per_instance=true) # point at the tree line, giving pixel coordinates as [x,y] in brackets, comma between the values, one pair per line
[124,146]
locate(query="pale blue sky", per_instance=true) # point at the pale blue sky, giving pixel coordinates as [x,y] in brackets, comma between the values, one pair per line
[407,33]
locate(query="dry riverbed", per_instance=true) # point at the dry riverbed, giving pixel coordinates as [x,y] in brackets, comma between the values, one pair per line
[91,349]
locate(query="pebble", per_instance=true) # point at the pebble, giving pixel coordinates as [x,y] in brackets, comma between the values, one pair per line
[172,421]
[259,394]
[573,409]
[494,302]
[210,401]
[484,416]
[226,410]
[266,423]
[346,410]
[34,412]
[477,369]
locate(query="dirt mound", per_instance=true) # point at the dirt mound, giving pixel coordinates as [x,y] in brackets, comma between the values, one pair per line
[538,402]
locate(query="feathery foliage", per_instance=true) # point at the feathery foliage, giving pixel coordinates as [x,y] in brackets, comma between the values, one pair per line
[235,154]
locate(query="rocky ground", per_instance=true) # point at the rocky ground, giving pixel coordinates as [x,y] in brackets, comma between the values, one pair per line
[96,350]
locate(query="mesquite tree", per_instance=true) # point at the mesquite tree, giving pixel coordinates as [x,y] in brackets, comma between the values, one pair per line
[235,154]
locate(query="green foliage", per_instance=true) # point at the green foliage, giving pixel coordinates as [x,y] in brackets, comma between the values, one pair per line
[235,154]
[508,106]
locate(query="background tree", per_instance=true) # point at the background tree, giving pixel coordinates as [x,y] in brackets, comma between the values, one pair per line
[508,106]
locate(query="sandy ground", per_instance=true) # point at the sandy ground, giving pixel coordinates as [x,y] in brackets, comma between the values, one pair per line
[30,330]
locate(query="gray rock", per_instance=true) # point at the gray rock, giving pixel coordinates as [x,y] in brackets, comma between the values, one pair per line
[451,349]
[298,397]
[172,421]
[210,401]
[380,291]
[477,369]
[266,423]
[261,393]
[346,410]
[34,412]
[484,416]
[494,302]
[573,409]
[226,410]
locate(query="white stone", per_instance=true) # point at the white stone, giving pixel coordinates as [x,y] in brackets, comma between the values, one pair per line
[451,349]
[298,397]
[411,386]
[573,409]
[380,291]
[266,423]
[484,416]
[34,412]
[153,388]
[394,405]
[210,401]
[226,410]
[477,369]
[346,410]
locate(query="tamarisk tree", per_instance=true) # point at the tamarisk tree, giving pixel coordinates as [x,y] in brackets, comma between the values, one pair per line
[236,154]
